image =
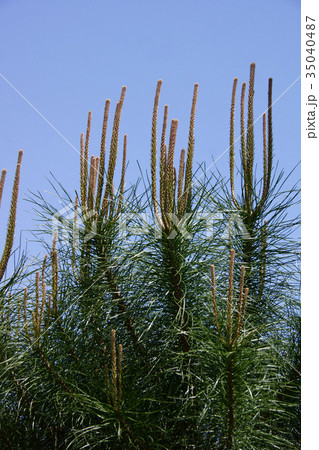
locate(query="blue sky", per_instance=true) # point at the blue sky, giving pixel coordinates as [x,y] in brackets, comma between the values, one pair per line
[68,57]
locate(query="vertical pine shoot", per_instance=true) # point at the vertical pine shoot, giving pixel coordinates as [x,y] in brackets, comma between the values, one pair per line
[170,171]
[54,262]
[180,182]
[270,133]
[214,302]
[163,164]
[122,182]
[84,179]
[232,143]
[190,154]
[2,180]
[114,368]
[109,189]
[230,297]
[250,133]
[154,151]
[102,156]
[12,216]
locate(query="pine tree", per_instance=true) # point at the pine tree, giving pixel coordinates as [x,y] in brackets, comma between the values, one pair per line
[139,329]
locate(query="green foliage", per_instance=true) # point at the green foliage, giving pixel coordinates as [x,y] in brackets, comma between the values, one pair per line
[158,335]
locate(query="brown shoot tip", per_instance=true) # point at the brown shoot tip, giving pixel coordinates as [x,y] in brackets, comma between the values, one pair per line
[54,240]
[158,89]
[20,156]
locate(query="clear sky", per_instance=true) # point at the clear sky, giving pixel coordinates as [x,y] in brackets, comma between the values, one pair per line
[68,57]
